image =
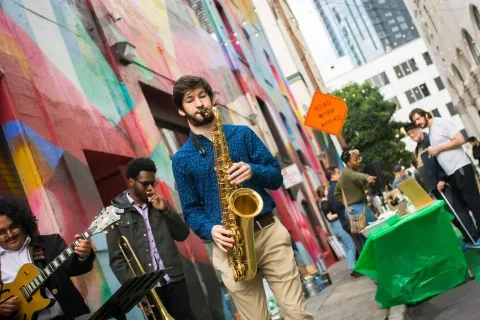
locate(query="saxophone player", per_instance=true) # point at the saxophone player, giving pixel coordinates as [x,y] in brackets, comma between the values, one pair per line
[254,167]
[150,225]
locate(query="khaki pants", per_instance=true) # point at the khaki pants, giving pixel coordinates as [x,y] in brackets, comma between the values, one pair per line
[276,263]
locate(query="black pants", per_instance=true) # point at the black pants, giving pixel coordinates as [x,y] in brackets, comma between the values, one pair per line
[174,297]
[461,211]
[465,196]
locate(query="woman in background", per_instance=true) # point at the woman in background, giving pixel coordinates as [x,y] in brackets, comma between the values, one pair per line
[350,190]
[337,229]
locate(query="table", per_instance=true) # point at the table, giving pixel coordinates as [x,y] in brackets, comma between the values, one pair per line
[414,259]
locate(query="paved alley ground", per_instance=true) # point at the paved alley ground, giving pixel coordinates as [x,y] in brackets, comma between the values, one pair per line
[461,302]
[346,298]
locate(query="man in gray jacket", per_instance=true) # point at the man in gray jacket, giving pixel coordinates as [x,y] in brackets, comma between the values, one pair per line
[150,225]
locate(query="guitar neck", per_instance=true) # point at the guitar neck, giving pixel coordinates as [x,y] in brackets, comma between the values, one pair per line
[40,279]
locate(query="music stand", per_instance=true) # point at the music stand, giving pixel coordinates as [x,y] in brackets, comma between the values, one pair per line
[126,297]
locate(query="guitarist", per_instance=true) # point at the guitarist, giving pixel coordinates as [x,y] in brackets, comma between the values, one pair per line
[20,243]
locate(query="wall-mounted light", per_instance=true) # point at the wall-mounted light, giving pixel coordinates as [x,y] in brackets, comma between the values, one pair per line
[115,16]
[125,51]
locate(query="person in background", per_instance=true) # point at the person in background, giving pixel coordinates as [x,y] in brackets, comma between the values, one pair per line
[446,145]
[351,188]
[333,176]
[400,175]
[433,178]
[340,233]
[475,147]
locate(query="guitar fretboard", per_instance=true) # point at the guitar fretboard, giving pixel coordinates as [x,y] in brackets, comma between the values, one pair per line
[40,279]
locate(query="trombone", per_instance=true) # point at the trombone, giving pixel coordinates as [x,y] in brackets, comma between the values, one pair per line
[158,312]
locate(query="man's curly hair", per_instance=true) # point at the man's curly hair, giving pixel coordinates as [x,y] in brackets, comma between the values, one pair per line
[20,214]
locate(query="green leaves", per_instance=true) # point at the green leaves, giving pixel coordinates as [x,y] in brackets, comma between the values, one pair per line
[370,128]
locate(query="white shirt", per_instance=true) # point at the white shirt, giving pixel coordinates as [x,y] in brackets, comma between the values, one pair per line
[442,132]
[11,262]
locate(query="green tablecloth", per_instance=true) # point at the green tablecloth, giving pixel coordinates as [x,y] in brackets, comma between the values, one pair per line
[414,259]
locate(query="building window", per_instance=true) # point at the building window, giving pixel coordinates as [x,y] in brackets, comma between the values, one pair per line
[435,113]
[439,83]
[337,16]
[451,109]
[476,15]
[424,89]
[457,73]
[472,45]
[405,68]
[426,57]
[379,80]
[417,93]
[413,65]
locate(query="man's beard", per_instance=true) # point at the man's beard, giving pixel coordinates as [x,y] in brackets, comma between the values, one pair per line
[141,195]
[202,122]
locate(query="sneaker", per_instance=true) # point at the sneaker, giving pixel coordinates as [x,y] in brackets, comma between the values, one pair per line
[469,245]
[476,245]
[355,274]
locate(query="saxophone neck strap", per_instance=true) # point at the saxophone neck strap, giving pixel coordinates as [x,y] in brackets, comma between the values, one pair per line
[198,145]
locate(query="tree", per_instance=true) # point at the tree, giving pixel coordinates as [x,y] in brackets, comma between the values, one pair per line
[370,128]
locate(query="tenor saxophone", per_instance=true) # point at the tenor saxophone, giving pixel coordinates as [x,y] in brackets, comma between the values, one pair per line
[239,208]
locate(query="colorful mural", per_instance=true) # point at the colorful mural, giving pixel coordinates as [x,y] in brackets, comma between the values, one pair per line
[73,114]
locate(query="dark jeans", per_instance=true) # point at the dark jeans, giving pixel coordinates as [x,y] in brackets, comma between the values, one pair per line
[461,211]
[465,196]
[175,298]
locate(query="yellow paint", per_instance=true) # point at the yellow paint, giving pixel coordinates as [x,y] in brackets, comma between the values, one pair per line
[12,47]
[155,11]
[26,166]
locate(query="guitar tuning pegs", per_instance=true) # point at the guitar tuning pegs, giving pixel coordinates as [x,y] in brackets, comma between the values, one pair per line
[111,227]
[106,231]
[96,217]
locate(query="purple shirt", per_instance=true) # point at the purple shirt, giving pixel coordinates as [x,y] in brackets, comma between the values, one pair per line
[157,262]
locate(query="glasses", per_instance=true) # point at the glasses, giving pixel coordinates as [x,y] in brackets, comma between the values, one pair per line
[145,184]
[4,232]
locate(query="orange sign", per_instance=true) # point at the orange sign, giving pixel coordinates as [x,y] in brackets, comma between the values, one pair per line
[327,113]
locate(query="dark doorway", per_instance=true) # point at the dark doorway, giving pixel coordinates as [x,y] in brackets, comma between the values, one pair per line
[283,157]
[108,171]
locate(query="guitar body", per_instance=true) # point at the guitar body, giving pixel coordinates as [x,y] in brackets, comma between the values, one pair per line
[32,279]
[28,309]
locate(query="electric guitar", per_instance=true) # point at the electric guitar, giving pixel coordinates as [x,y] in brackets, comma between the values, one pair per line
[30,279]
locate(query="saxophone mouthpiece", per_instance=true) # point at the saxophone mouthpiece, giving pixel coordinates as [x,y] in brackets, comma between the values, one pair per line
[205,112]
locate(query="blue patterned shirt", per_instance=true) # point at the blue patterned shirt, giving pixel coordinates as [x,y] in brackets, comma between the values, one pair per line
[197,181]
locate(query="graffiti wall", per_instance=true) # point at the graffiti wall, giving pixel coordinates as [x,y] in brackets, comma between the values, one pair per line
[73,114]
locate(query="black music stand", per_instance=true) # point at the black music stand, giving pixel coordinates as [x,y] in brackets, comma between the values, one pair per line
[126,297]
